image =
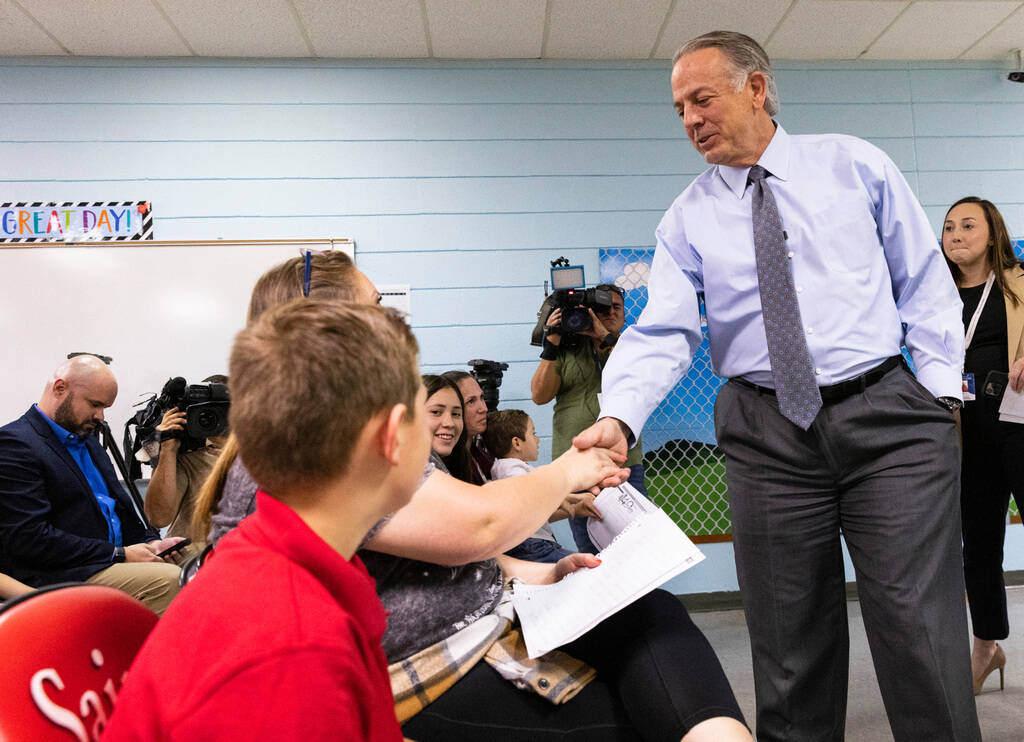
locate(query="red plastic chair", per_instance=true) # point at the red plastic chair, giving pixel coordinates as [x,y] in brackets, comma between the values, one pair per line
[66,650]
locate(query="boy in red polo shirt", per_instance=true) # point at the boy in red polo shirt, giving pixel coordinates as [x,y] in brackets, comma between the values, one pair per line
[278,637]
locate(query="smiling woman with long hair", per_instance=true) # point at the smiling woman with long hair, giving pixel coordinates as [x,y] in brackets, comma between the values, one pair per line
[474,409]
[445,418]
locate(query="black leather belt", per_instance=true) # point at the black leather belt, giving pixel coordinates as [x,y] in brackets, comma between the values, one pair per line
[843,389]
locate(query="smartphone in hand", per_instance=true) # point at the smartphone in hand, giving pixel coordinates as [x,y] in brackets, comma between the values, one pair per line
[174,549]
[995,383]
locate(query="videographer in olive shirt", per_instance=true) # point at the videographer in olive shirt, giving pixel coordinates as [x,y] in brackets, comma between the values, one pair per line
[572,377]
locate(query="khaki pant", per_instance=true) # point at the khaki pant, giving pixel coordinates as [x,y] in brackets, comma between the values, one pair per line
[154,583]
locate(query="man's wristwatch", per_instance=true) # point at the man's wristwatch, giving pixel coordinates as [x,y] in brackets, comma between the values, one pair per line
[951,403]
[119,555]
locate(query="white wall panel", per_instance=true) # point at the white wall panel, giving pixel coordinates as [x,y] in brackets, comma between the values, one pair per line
[590,230]
[939,188]
[859,119]
[134,81]
[811,83]
[314,199]
[969,119]
[951,154]
[965,83]
[358,122]
[349,160]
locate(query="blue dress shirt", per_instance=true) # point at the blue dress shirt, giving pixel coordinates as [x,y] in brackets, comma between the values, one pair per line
[80,453]
[869,276]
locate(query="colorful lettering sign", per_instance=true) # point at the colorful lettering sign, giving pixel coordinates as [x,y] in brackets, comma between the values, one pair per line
[99,221]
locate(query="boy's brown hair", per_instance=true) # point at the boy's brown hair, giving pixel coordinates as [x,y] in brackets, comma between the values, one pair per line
[306,377]
[502,427]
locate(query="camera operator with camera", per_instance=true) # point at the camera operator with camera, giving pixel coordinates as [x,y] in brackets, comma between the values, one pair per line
[572,360]
[183,466]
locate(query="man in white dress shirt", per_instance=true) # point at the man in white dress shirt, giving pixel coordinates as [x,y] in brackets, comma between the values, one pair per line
[823,429]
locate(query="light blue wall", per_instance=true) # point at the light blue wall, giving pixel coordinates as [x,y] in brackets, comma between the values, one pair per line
[462,179]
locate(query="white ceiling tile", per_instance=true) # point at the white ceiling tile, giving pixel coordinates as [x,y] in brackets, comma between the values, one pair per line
[756,18]
[364,28]
[237,28]
[831,29]
[117,28]
[19,34]
[939,29]
[503,29]
[489,29]
[604,29]
[1001,41]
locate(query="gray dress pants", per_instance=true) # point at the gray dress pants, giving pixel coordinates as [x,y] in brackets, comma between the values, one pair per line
[882,468]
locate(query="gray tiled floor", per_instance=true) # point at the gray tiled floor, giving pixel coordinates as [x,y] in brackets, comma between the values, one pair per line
[1001,713]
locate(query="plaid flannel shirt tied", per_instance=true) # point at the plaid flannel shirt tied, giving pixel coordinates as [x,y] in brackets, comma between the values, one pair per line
[421,678]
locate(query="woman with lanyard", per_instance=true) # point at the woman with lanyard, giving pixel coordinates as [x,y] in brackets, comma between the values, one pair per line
[980,257]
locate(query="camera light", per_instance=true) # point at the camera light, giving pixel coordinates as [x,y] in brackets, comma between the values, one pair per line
[567,277]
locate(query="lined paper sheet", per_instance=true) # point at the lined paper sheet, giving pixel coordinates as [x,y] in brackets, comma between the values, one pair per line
[649,551]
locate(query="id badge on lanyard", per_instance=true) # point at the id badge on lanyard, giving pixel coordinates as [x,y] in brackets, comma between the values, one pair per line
[968,379]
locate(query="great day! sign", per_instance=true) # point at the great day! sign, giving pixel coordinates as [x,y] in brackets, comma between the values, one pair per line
[76,222]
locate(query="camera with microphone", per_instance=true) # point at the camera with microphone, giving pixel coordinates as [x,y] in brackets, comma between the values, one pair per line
[206,414]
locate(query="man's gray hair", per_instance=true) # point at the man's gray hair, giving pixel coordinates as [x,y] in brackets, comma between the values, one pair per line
[744,54]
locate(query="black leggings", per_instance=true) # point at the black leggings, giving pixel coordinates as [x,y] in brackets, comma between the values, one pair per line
[657,677]
[993,467]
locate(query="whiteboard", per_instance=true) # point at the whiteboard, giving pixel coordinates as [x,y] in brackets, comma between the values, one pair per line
[160,309]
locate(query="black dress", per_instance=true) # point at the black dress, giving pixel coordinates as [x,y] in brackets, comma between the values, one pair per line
[993,467]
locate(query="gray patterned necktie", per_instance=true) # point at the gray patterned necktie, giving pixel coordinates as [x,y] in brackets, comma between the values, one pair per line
[792,370]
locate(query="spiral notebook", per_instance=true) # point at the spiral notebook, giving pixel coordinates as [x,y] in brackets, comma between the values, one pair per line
[648,551]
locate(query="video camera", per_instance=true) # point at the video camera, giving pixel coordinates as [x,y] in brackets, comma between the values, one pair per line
[488,375]
[206,414]
[575,302]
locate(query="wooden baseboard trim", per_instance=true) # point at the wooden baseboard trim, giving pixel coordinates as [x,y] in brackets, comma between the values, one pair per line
[714,538]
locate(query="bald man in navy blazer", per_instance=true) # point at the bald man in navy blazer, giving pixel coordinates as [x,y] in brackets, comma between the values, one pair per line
[64,516]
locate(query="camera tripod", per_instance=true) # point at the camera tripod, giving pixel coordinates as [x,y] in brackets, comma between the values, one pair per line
[108,443]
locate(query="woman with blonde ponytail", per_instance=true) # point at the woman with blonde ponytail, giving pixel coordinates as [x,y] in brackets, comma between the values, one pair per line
[229,493]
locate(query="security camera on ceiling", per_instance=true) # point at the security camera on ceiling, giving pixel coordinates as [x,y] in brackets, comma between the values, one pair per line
[1018,74]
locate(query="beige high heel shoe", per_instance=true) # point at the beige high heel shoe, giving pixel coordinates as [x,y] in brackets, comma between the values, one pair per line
[998,662]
